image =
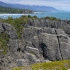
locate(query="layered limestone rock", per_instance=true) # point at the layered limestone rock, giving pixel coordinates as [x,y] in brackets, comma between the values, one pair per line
[42,40]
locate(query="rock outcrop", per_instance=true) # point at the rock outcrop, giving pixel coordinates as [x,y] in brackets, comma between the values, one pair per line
[42,40]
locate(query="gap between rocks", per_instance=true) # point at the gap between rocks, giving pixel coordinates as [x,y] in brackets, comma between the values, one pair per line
[59,45]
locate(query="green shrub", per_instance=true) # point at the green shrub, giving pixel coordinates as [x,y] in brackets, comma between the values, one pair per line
[34,16]
[29,16]
[52,18]
[4,39]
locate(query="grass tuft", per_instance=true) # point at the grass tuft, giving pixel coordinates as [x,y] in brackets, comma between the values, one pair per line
[55,65]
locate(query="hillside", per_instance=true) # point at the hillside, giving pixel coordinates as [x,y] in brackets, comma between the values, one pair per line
[33,7]
[13,10]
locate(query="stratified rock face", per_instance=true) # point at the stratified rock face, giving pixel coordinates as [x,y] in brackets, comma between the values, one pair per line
[42,40]
[50,37]
[52,43]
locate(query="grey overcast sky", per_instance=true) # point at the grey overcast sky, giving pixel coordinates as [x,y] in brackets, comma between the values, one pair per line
[58,4]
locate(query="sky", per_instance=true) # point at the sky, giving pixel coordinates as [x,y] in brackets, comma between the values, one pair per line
[58,4]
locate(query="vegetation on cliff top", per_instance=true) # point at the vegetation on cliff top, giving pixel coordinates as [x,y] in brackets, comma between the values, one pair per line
[18,23]
[56,65]
[52,18]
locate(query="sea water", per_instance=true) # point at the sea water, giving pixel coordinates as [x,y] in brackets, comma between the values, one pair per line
[61,15]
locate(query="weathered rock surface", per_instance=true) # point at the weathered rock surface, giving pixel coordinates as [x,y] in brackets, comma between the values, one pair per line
[42,40]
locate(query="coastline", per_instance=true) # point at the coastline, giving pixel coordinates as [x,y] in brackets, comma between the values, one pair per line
[61,15]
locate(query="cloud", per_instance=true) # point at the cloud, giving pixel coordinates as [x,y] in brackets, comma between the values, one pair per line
[59,4]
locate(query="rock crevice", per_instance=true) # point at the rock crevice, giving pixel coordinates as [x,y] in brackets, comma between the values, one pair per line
[59,45]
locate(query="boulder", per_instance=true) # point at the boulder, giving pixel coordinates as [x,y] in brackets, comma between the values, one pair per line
[50,47]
